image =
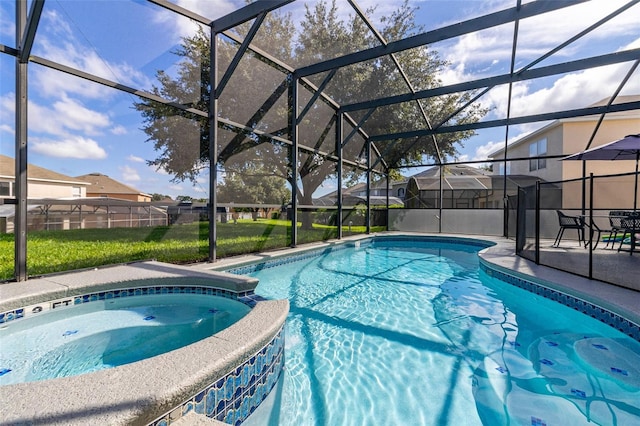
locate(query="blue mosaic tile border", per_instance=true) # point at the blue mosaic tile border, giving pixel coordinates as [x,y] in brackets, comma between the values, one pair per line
[435,239]
[610,318]
[232,398]
[251,268]
[248,297]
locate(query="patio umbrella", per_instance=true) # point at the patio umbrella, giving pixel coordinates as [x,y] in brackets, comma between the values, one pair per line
[627,148]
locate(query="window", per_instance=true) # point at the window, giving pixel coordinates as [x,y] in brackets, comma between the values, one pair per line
[501,170]
[76,192]
[538,149]
[5,189]
[401,192]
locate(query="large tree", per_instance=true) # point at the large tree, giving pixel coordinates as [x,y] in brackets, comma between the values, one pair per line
[256,97]
[251,185]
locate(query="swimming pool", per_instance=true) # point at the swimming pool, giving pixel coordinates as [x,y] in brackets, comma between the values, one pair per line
[105,334]
[413,332]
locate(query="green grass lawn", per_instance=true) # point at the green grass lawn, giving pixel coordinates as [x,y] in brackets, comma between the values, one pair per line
[56,251]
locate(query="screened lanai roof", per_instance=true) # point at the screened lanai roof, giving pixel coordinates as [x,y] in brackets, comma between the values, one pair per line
[484,57]
[471,182]
[293,97]
[400,85]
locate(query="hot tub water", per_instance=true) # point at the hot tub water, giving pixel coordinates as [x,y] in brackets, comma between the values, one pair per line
[98,335]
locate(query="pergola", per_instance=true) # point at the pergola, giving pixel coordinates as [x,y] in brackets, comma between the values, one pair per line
[351,120]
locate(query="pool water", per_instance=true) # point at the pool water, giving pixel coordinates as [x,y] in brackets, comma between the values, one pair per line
[413,333]
[99,335]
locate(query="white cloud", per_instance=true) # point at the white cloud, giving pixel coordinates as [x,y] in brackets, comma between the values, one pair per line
[129,174]
[64,116]
[7,110]
[182,27]
[212,9]
[488,52]
[570,91]
[7,25]
[462,158]
[135,159]
[175,187]
[482,152]
[8,129]
[67,50]
[159,170]
[75,116]
[119,130]
[71,147]
[59,26]
[539,34]
[61,121]
[51,84]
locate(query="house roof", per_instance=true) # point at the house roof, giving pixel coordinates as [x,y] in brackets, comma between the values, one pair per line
[466,178]
[610,116]
[450,170]
[456,176]
[453,182]
[35,173]
[103,184]
[376,200]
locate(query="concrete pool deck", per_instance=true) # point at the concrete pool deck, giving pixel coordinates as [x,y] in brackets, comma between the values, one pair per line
[115,404]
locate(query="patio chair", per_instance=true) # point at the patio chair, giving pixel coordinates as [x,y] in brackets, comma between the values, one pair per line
[595,228]
[569,222]
[615,222]
[630,226]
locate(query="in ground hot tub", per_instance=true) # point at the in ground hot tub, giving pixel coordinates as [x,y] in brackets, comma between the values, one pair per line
[119,329]
[185,340]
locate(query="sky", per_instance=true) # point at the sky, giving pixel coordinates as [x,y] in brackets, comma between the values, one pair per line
[77,127]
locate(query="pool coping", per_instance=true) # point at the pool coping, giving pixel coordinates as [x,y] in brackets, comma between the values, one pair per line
[128,394]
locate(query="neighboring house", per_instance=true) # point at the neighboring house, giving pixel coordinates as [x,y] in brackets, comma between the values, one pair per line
[568,136]
[103,186]
[463,187]
[59,202]
[357,194]
[41,182]
[379,189]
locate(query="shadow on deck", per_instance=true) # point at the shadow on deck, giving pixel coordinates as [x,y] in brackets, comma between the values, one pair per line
[608,265]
